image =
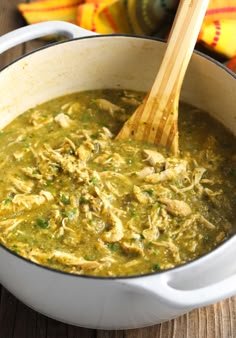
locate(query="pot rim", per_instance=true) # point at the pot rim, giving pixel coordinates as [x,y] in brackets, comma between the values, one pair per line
[176,268]
[199,53]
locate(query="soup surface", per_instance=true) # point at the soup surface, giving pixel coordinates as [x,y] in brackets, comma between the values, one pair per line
[75,199]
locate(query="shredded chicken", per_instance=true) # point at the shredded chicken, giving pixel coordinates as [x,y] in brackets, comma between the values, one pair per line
[154,220]
[131,101]
[32,172]
[38,120]
[132,248]
[176,207]
[108,134]
[28,201]
[146,171]
[171,247]
[85,151]
[141,196]
[116,232]
[173,170]
[197,176]
[63,120]
[108,106]
[9,225]
[205,222]
[22,186]
[154,157]
[67,258]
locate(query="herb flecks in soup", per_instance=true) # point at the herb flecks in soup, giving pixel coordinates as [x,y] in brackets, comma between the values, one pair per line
[75,199]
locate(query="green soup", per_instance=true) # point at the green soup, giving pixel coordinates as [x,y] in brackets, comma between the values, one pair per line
[75,199]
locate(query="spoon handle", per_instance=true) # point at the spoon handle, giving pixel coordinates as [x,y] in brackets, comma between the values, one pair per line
[181,43]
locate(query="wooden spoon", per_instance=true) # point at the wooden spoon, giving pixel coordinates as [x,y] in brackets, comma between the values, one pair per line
[156,119]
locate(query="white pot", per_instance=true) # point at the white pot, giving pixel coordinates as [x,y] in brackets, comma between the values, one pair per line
[96,62]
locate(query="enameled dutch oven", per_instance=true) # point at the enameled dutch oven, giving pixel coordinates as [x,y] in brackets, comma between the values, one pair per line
[84,62]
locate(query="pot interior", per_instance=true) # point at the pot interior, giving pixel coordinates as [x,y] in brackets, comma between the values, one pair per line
[110,62]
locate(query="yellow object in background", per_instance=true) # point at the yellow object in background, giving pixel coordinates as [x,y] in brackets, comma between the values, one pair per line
[105,17]
[220,35]
[144,17]
[47,10]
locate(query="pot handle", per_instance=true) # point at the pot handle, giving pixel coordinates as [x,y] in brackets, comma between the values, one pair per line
[187,299]
[206,281]
[40,30]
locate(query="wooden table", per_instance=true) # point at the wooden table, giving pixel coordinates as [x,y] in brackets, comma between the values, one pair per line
[19,321]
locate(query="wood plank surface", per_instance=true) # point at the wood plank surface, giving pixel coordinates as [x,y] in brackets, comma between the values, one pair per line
[19,321]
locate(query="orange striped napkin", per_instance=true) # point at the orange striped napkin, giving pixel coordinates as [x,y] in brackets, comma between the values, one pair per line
[46,10]
[147,17]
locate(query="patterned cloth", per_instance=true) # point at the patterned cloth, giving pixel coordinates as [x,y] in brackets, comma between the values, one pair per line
[143,17]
